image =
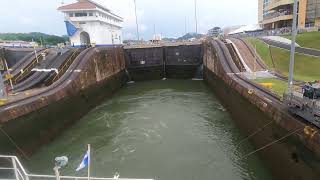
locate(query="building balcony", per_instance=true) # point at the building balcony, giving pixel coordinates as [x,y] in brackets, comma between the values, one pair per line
[277,3]
[93,18]
[277,17]
[276,14]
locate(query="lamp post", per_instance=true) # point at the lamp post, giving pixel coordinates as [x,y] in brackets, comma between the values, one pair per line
[137,24]
[293,45]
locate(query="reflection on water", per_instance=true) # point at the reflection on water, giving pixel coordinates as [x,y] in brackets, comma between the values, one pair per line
[167,130]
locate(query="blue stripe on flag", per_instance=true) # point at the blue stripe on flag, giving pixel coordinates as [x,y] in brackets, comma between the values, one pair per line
[84,162]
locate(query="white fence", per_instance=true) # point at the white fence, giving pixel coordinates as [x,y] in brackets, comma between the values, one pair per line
[12,169]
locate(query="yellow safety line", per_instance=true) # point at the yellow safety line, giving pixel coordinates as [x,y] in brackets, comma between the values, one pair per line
[65,65]
[29,65]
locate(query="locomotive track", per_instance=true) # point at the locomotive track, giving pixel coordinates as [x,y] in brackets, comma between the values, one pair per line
[60,84]
[229,65]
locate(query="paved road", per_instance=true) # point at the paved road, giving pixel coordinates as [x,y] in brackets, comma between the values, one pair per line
[311,52]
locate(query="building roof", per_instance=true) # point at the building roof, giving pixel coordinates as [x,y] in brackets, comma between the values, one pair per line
[78,5]
[85,4]
[247,28]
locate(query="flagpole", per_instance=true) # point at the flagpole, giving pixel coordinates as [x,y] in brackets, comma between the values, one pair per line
[89,161]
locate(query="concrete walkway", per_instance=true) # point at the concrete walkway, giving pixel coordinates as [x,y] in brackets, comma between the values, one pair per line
[286,46]
[280,40]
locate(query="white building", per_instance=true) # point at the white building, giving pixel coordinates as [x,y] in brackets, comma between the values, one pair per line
[90,23]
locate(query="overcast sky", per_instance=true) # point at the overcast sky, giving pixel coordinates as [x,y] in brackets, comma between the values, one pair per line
[167,15]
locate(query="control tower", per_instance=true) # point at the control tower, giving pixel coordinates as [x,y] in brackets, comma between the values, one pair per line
[90,23]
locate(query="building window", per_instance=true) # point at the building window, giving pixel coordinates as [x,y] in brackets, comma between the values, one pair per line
[82,23]
[82,14]
[70,14]
[91,14]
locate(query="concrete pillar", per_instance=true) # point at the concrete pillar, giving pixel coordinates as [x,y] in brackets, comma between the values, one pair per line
[3,92]
[302,14]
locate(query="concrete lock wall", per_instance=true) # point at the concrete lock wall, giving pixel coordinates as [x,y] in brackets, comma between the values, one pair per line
[145,63]
[296,157]
[99,72]
[13,56]
[163,62]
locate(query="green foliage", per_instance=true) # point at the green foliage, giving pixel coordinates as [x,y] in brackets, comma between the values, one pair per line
[35,36]
[190,35]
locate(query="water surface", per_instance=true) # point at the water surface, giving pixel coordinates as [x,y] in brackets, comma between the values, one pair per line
[166,130]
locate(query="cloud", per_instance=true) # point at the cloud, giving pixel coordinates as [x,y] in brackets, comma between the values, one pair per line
[26,20]
[168,15]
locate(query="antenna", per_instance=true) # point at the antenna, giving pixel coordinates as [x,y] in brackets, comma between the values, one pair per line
[62,1]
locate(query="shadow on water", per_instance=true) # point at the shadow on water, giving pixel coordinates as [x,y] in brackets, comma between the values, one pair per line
[173,129]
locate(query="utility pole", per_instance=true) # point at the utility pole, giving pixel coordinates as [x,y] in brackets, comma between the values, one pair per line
[195,15]
[154,31]
[3,92]
[185,25]
[137,24]
[293,45]
[2,88]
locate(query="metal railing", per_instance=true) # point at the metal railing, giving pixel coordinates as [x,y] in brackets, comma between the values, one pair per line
[26,70]
[65,66]
[12,169]
[277,14]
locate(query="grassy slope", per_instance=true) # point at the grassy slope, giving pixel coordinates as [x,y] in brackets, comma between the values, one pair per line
[278,87]
[308,39]
[262,50]
[306,67]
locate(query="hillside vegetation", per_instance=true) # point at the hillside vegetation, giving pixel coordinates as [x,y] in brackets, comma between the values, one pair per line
[34,36]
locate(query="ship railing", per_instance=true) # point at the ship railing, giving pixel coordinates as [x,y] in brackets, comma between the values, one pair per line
[12,169]
[298,99]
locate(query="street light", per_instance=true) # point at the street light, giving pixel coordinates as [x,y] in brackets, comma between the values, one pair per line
[293,45]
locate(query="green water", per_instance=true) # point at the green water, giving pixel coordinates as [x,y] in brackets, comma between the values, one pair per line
[166,130]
